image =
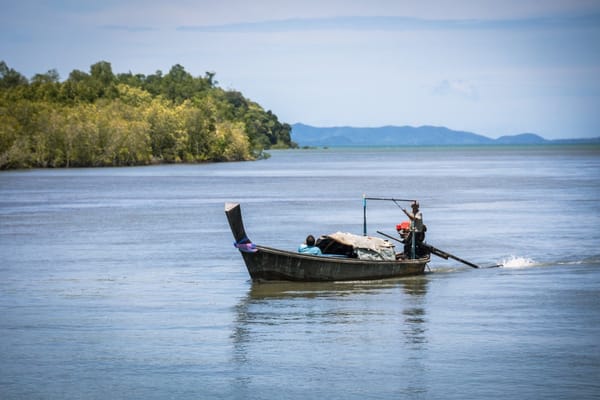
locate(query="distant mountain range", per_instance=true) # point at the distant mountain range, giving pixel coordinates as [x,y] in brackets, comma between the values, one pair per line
[306,135]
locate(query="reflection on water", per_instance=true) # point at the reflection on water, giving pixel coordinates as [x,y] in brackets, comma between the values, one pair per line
[336,326]
[277,290]
[415,318]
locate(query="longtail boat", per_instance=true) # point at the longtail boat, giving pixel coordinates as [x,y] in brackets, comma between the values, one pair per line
[270,264]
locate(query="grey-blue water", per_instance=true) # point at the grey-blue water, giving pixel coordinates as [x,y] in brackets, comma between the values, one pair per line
[124,283]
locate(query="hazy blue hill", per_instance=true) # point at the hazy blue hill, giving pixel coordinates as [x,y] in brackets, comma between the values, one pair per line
[524,138]
[306,135]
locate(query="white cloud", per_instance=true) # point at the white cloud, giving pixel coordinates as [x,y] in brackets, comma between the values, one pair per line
[397,23]
[458,88]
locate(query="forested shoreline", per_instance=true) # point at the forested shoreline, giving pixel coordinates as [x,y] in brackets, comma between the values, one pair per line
[101,119]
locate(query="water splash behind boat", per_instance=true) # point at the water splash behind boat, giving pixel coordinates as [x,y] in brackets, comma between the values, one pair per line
[517,262]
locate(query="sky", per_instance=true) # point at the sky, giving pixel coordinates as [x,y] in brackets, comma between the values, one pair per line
[490,67]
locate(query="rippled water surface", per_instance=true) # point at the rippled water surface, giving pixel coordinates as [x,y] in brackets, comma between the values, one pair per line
[123,283]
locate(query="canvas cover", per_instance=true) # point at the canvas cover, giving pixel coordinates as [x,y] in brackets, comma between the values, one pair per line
[362,247]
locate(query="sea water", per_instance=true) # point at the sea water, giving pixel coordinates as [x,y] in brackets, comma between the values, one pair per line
[124,283]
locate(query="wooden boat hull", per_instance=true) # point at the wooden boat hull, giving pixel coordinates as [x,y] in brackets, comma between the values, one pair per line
[272,264]
[269,264]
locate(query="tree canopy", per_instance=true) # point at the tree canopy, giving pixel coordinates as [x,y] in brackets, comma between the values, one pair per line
[102,119]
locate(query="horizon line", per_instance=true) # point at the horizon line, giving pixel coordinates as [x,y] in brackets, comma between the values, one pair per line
[579,138]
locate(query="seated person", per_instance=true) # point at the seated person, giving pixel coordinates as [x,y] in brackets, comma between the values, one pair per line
[309,247]
[404,230]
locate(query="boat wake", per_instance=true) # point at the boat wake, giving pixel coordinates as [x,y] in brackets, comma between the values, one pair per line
[524,262]
[518,262]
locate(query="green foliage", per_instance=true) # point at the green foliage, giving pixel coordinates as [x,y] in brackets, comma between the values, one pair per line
[102,119]
[9,78]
